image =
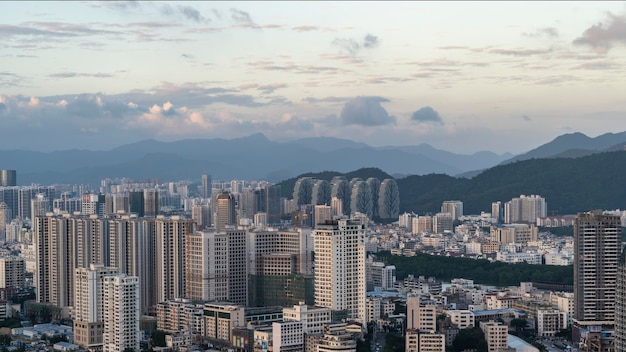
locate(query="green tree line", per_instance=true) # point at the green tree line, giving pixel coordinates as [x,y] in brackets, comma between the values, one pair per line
[481,271]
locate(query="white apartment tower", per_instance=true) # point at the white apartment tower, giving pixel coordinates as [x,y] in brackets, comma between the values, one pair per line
[340,267]
[170,237]
[217,266]
[453,207]
[88,306]
[121,313]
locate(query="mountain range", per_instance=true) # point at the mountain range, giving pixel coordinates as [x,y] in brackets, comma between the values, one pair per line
[256,157]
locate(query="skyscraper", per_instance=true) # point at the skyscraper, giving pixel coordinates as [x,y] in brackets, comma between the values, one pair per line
[8,178]
[620,304]
[151,202]
[454,207]
[5,219]
[170,244]
[340,267]
[596,252]
[88,306]
[207,186]
[225,211]
[217,266]
[121,313]
[12,272]
[54,276]
[389,199]
[361,200]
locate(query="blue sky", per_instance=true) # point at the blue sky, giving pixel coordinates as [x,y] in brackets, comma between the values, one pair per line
[461,76]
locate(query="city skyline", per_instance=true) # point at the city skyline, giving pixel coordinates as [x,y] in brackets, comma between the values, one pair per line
[463,77]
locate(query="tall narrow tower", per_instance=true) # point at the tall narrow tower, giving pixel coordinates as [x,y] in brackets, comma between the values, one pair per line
[340,267]
[121,313]
[596,253]
[226,214]
[207,186]
[88,305]
[620,305]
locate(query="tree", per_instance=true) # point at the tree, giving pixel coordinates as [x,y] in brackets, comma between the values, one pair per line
[158,338]
[518,324]
[5,340]
[470,339]
[58,338]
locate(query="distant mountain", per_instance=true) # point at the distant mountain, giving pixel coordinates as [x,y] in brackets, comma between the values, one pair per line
[328,144]
[252,157]
[476,161]
[573,145]
[568,185]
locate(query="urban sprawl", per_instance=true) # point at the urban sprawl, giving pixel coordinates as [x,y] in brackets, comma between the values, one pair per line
[235,266]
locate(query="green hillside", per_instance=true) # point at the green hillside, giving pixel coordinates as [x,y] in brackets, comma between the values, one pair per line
[568,185]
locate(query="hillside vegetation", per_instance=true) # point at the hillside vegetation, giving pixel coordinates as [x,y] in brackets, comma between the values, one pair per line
[481,271]
[568,185]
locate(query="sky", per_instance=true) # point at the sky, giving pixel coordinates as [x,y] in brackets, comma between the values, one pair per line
[460,76]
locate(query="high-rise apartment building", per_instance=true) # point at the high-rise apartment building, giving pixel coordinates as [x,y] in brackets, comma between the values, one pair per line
[620,304]
[525,209]
[389,199]
[226,214]
[54,245]
[361,198]
[88,307]
[8,178]
[497,212]
[597,242]
[121,313]
[217,266]
[340,267]
[12,272]
[170,256]
[39,206]
[322,214]
[5,219]
[453,207]
[420,316]
[207,186]
[152,204]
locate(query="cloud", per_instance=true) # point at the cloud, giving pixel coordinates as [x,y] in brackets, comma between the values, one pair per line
[179,11]
[305,28]
[598,66]
[352,46]
[520,52]
[366,111]
[604,35]
[370,41]
[8,30]
[325,100]
[240,16]
[8,79]
[192,14]
[270,88]
[427,115]
[79,74]
[549,32]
